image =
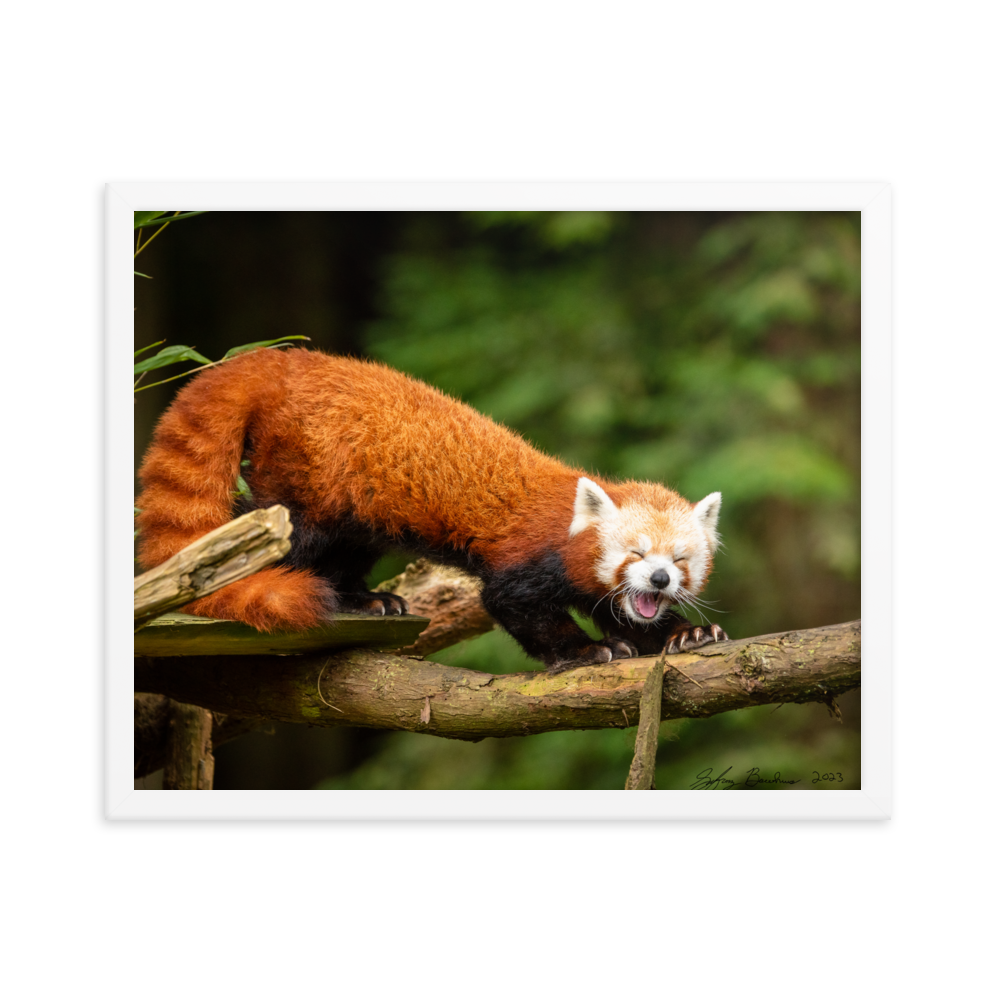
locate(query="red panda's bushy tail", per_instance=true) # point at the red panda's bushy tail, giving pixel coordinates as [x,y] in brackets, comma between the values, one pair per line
[188,479]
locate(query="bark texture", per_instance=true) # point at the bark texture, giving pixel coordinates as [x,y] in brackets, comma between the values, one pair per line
[643,769]
[387,691]
[189,764]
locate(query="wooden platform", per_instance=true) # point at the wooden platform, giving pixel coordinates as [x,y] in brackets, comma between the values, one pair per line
[177,634]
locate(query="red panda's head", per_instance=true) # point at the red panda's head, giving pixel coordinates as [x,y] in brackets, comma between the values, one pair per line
[654,547]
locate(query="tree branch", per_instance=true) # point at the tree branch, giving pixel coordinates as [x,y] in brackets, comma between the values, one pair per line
[387,691]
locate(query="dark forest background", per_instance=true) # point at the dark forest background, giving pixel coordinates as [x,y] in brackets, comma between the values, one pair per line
[709,351]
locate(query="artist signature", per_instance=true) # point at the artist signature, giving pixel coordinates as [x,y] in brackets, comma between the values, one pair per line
[753,778]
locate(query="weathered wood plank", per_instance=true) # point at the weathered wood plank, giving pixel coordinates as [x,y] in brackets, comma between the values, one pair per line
[178,634]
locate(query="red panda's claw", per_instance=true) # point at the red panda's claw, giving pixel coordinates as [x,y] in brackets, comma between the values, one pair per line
[620,648]
[693,637]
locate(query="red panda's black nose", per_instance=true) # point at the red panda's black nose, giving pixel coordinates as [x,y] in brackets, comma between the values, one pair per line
[660,578]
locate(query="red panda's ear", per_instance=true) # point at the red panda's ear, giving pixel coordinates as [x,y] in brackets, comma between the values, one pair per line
[707,513]
[592,507]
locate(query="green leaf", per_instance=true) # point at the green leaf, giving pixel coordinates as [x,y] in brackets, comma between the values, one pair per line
[139,274]
[156,218]
[169,356]
[233,351]
[145,218]
[242,490]
[147,348]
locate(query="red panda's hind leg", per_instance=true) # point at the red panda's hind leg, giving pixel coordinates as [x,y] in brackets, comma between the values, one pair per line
[275,599]
[334,552]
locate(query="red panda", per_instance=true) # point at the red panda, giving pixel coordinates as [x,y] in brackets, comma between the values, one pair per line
[367,459]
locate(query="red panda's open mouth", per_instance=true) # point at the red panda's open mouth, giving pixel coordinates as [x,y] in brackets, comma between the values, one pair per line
[645,605]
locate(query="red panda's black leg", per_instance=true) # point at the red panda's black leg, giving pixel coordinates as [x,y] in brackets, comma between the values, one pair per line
[531,603]
[551,635]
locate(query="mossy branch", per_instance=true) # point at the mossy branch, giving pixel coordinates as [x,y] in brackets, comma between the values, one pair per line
[388,691]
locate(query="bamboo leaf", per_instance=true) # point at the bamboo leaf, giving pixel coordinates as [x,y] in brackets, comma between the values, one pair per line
[156,218]
[148,347]
[145,218]
[233,351]
[168,356]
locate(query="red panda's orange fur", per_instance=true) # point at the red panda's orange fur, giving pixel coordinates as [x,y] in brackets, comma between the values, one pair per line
[344,442]
[348,436]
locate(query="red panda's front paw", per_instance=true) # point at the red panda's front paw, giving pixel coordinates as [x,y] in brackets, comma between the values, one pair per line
[688,636]
[620,649]
[373,603]
[599,652]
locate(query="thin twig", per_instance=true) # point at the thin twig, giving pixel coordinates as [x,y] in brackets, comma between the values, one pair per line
[683,674]
[320,693]
[139,249]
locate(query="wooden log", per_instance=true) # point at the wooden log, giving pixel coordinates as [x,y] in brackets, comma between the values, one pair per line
[223,556]
[152,731]
[190,763]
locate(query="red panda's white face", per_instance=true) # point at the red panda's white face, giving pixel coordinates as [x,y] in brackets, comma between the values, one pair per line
[655,548]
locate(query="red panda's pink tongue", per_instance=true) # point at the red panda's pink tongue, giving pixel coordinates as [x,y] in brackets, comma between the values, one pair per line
[646,603]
